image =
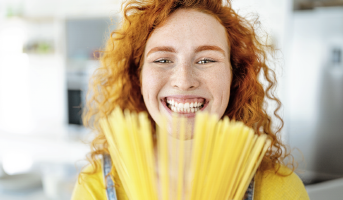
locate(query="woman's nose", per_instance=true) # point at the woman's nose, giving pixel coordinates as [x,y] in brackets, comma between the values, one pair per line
[184,78]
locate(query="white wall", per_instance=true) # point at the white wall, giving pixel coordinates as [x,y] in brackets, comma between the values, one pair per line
[275,18]
[314,34]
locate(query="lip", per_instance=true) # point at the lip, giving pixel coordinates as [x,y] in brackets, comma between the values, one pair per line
[183,97]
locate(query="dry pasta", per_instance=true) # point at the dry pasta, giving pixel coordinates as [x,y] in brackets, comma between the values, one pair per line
[224,158]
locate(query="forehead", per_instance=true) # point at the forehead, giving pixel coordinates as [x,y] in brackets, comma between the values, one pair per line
[190,28]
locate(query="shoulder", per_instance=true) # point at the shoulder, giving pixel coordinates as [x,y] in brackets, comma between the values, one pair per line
[282,185]
[90,185]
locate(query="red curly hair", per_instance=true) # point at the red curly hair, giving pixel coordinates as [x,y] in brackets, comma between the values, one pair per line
[117,82]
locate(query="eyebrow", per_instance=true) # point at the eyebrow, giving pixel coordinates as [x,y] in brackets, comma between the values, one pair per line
[198,49]
[209,47]
[163,48]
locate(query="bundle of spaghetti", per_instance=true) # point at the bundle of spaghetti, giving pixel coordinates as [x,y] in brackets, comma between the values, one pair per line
[224,158]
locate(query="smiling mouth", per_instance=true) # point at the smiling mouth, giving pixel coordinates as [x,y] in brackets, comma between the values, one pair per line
[185,105]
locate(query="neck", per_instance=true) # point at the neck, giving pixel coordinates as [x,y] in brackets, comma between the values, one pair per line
[179,153]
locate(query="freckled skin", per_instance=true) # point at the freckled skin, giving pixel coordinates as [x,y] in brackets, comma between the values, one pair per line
[184,72]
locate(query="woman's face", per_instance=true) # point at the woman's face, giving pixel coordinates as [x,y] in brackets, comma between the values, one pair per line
[186,67]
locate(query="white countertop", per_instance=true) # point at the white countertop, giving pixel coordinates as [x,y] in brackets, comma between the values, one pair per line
[55,152]
[51,144]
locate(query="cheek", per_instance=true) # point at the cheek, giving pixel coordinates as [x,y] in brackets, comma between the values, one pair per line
[147,85]
[152,83]
[226,85]
[220,83]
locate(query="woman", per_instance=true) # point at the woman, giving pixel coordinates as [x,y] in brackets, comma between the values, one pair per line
[185,56]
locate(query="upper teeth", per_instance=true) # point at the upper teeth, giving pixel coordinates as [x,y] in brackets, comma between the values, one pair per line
[184,107]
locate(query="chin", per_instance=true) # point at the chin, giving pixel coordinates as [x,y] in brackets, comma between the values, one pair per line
[175,131]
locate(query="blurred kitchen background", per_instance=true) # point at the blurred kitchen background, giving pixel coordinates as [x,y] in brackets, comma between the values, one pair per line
[48,51]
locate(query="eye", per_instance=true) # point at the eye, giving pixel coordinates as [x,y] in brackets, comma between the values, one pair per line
[163,60]
[205,61]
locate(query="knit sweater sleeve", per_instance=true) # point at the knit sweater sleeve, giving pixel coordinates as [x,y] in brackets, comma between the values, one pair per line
[269,185]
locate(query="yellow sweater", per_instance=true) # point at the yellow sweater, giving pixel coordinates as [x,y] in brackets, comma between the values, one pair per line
[268,186]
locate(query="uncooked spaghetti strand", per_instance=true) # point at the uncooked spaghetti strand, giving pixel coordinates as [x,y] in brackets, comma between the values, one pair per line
[250,164]
[123,174]
[263,152]
[230,138]
[104,124]
[125,148]
[106,129]
[246,159]
[143,153]
[215,157]
[251,139]
[147,138]
[115,155]
[238,153]
[238,131]
[112,133]
[221,150]
[258,162]
[227,146]
[181,159]
[201,137]
[118,125]
[148,146]
[113,130]
[200,120]
[205,152]
[141,157]
[131,118]
[212,172]
[163,157]
[174,155]
[132,159]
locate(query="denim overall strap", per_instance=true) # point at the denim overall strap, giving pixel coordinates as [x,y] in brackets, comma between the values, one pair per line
[249,194]
[106,169]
